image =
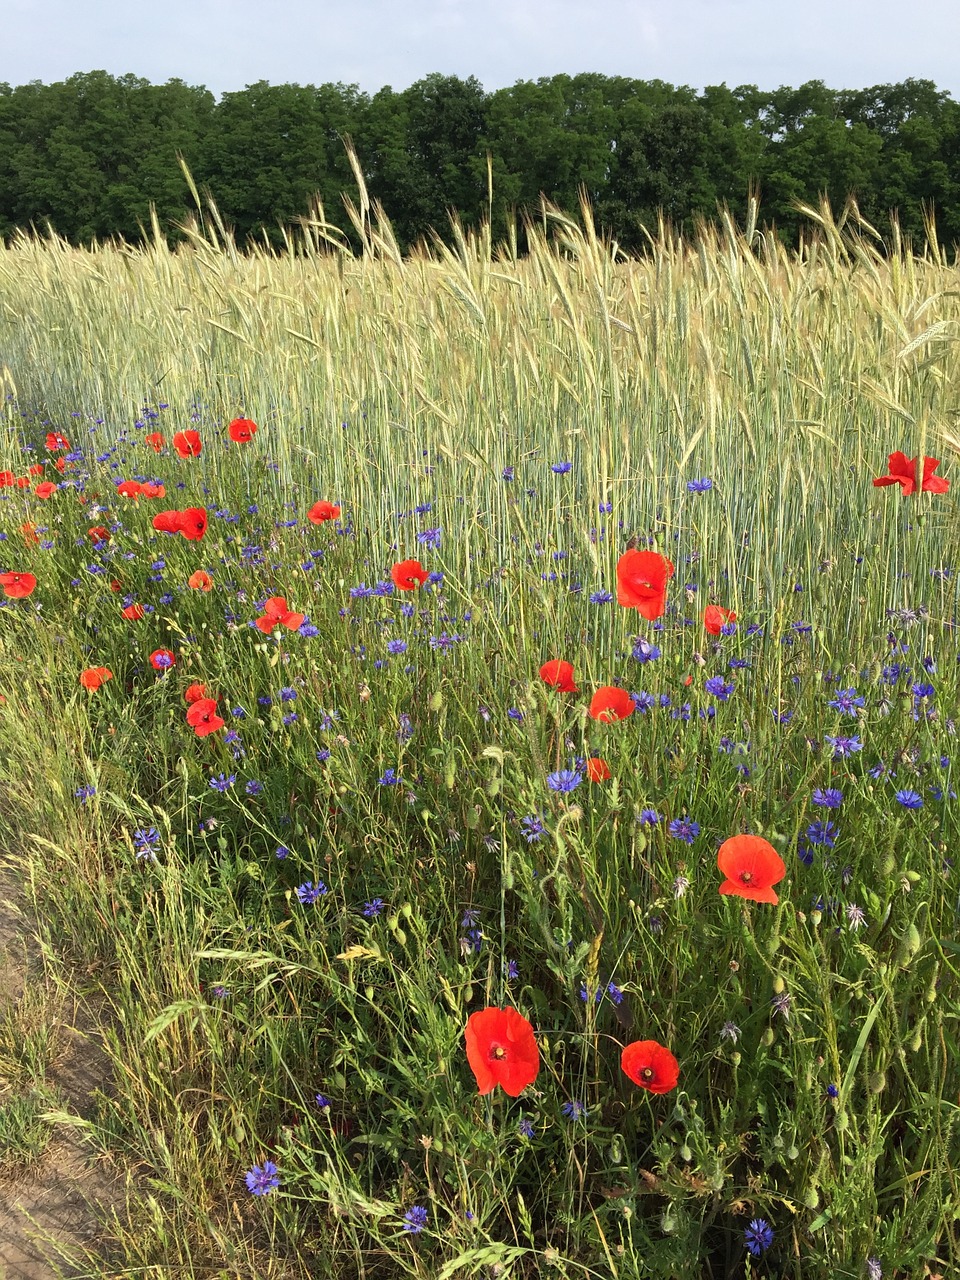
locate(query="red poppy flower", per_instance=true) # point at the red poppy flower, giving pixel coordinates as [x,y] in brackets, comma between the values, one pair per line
[55,440]
[6,479]
[60,464]
[155,440]
[130,489]
[609,704]
[167,521]
[715,617]
[94,677]
[502,1049]
[36,469]
[407,575]
[903,471]
[277,614]
[153,491]
[752,867]
[17,585]
[193,523]
[163,659]
[642,582]
[650,1065]
[187,444]
[99,533]
[242,430]
[29,532]
[597,770]
[45,490]
[200,580]
[133,612]
[203,719]
[116,584]
[195,692]
[559,675]
[321,511]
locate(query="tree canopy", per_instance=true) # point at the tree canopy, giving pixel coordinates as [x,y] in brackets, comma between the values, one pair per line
[91,155]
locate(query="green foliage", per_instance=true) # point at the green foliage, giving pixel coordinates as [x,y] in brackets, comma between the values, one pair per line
[94,154]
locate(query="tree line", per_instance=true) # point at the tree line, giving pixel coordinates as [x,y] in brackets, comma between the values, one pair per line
[91,154]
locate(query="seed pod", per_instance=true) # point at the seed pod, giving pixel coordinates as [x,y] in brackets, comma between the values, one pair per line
[910,944]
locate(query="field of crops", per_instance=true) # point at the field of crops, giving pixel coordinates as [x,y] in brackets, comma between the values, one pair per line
[390,642]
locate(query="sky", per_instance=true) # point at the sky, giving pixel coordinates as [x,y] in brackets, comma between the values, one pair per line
[228,44]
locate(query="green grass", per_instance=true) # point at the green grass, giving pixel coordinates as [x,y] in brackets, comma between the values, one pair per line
[831,1111]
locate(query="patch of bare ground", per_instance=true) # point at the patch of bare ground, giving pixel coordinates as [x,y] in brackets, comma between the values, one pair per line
[54,1197]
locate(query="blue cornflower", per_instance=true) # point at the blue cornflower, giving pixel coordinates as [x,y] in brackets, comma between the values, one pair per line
[513,970]
[829,798]
[514,713]
[415,1219]
[561,468]
[471,917]
[644,702]
[685,830]
[396,647]
[843,746]
[824,833]
[223,782]
[288,695]
[281,852]
[564,780]
[909,799]
[758,1237]
[309,893]
[389,778]
[717,688]
[261,1181]
[700,486]
[605,508]
[644,651]
[574,1110]
[322,1101]
[614,992]
[922,689]
[145,838]
[525,1129]
[648,818]
[84,793]
[373,908]
[429,538]
[846,702]
[253,787]
[532,828]
[600,597]
[507,473]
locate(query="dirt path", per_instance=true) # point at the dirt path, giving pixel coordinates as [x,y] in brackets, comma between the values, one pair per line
[51,1204]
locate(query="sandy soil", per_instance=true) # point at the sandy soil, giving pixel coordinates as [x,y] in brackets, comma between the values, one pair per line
[49,1210]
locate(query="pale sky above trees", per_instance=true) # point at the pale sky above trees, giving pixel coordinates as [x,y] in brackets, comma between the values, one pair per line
[227,44]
